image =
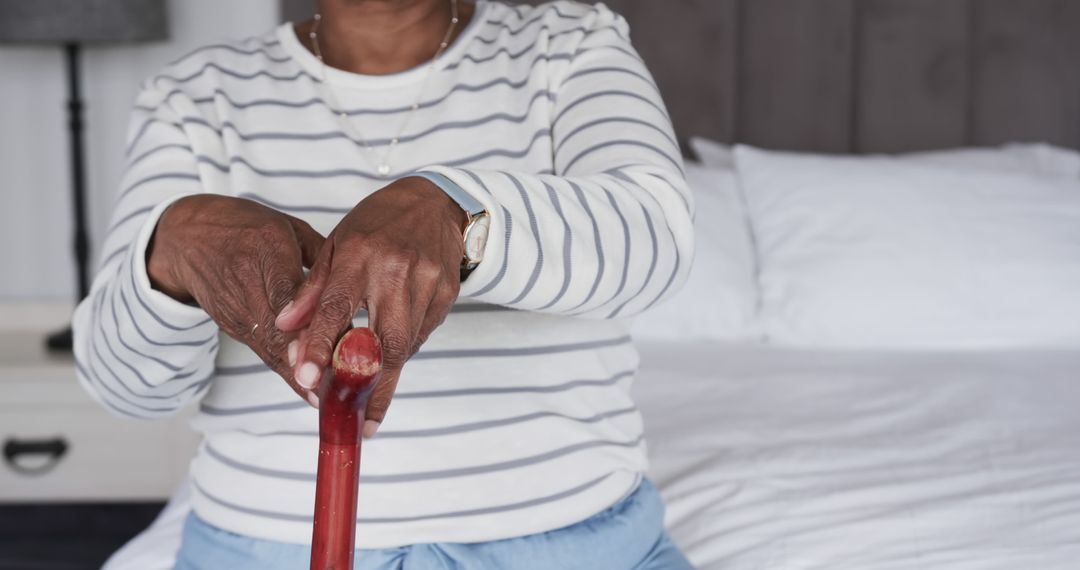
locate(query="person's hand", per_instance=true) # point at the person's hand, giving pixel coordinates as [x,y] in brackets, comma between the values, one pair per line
[241,262]
[398,255]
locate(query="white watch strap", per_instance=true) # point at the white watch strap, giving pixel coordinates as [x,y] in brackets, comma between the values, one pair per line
[471,205]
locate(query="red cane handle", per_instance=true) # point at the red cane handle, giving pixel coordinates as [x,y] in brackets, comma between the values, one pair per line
[357,364]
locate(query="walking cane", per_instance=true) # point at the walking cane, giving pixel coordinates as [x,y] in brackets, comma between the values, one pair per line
[356,367]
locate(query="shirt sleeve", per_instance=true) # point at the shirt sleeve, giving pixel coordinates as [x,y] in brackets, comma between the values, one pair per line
[139,352]
[609,233]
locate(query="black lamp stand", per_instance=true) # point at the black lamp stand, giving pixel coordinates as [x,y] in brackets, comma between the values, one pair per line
[62,340]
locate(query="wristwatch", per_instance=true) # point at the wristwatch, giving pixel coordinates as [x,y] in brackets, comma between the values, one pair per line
[476,230]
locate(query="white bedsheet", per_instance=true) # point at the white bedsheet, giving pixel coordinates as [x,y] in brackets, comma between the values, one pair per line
[779,459]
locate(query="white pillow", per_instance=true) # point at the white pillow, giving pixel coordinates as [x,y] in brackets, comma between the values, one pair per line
[1036,158]
[894,253]
[712,153]
[719,298]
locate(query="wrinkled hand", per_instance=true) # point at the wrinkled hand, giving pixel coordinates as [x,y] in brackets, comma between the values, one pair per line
[241,262]
[398,255]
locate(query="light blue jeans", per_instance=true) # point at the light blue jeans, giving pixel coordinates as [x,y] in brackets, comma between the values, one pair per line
[628,536]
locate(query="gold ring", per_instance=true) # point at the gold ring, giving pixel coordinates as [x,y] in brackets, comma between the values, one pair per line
[253,329]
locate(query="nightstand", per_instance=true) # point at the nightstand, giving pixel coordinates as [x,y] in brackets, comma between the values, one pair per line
[61,446]
[75,482]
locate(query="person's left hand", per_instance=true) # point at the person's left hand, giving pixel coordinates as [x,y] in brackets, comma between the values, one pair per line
[398,255]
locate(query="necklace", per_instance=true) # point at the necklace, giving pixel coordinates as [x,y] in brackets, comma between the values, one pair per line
[382,163]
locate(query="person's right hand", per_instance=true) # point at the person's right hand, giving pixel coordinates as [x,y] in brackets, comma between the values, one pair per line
[241,262]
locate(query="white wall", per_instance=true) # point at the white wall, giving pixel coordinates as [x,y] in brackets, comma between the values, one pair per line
[35,226]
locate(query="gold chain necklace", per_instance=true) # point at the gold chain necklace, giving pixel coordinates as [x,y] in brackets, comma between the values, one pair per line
[382,164]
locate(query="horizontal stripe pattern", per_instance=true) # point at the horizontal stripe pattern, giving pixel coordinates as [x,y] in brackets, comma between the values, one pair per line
[405,395]
[492,352]
[465,428]
[487,510]
[518,405]
[484,468]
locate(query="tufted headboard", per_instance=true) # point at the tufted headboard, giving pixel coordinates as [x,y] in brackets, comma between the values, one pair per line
[860,75]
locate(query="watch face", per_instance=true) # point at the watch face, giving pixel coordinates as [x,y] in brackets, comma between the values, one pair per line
[476,236]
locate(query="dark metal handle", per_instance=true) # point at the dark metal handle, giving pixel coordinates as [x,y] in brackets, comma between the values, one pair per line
[54,449]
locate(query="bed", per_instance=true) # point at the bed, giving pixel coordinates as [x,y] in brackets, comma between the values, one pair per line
[781,457]
[795,459]
[782,439]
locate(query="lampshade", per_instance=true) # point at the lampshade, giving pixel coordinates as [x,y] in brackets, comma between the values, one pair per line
[82,21]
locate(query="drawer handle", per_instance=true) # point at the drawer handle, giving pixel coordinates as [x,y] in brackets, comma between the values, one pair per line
[54,449]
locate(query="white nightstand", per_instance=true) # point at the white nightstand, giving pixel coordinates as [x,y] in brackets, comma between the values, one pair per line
[60,445]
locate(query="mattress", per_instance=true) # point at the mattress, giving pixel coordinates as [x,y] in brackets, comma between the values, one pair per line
[784,459]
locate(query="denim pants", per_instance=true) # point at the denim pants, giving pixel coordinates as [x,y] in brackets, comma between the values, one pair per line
[627,536]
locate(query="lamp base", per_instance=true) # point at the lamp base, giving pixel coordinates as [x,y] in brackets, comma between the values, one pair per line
[60,341]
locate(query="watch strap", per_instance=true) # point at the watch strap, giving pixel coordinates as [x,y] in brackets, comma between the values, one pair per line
[471,205]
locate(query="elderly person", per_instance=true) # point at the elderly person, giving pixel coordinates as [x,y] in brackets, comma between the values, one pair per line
[499,190]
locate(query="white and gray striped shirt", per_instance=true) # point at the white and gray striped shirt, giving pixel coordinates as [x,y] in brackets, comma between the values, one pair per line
[515,416]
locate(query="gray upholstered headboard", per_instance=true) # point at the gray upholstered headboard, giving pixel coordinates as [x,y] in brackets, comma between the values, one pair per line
[860,75]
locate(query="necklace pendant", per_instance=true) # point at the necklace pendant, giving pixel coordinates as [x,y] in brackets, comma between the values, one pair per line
[383,169]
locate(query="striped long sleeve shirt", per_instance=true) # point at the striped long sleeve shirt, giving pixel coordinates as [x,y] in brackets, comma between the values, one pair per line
[515,416]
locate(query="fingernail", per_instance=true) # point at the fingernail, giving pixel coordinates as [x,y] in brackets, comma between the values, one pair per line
[313,399]
[294,347]
[308,375]
[370,427]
